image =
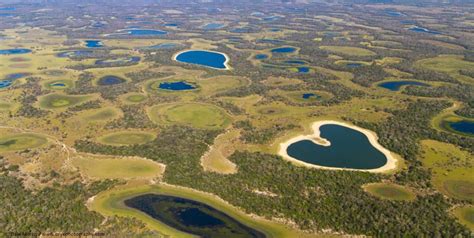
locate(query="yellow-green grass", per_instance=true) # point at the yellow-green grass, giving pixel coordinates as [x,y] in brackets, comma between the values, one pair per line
[443,44]
[345,62]
[450,64]
[124,138]
[58,84]
[384,43]
[60,101]
[452,169]
[102,114]
[465,215]
[111,203]
[133,98]
[215,160]
[348,50]
[97,168]
[280,81]
[390,191]
[4,106]
[197,115]
[213,85]
[23,141]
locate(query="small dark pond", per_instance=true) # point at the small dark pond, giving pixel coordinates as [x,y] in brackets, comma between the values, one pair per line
[191,216]
[396,85]
[303,70]
[261,56]
[110,80]
[463,126]
[423,30]
[349,149]
[284,50]
[310,95]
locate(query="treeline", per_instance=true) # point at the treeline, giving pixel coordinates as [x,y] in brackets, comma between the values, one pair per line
[28,97]
[253,135]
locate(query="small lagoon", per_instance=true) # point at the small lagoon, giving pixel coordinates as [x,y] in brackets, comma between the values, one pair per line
[110,80]
[284,50]
[464,127]
[94,43]
[423,30]
[396,85]
[145,32]
[176,86]
[15,51]
[191,216]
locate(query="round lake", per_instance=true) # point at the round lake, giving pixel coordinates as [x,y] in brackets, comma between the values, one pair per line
[211,59]
[191,216]
[348,149]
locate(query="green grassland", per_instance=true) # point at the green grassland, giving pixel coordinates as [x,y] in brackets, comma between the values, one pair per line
[465,215]
[98,168]
[452,169]
[61,84]
[123,138]
[101,114]
[133,98]
[61,101]
[390,191]
[23,141]
[198,115]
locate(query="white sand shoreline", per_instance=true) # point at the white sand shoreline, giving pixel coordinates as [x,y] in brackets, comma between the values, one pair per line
[226,62]
[392,160]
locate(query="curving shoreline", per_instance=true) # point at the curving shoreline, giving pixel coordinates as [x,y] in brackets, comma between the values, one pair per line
[391,164]
[226,62]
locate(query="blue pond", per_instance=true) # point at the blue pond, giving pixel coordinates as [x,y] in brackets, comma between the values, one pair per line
[7,9]
[210,59]
[171,24]
[310,95]
[464,126]
[213,26]
[145,32]
[16,76]
[396,85]
[303,70]
[176,86]
[58,85]
[393,13]
[275,29]
[94,43]
[191,216]
[5,83]
[110,80]
[284,50]
[261,56]
[14,51]
[349,149]
[423,30]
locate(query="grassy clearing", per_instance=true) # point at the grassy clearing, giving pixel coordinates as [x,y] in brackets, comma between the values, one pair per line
[446,63]
[61,101]
[390,191]
[215,160]
[124,138]
[58,84]
[452,169]
[198,115]
[443,44]
[97,168]
[348,50]
[465,215]
[133,98]
[22,141]
[102,114]
[110,203]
